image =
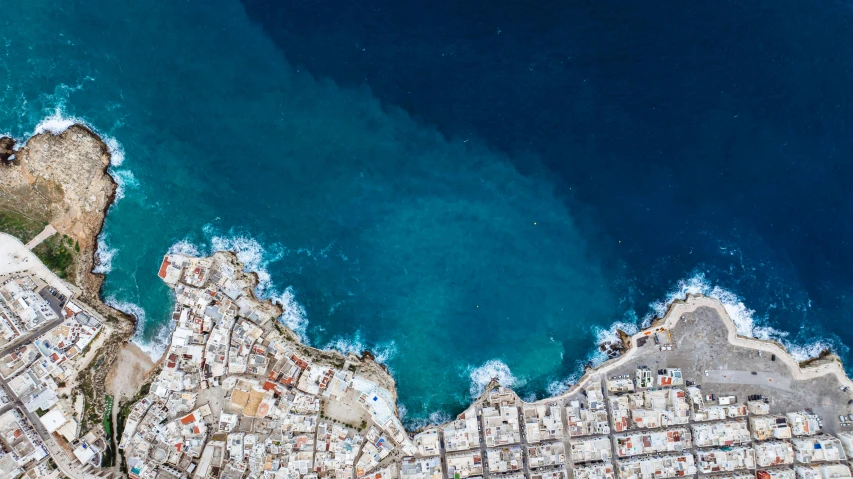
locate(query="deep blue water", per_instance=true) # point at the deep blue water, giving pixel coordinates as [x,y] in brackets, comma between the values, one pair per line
[467,188]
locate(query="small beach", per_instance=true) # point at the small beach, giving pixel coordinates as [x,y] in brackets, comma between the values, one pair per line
[130,370]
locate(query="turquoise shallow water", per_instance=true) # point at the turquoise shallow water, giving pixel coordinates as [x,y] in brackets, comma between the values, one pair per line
[378,231]
[451,258]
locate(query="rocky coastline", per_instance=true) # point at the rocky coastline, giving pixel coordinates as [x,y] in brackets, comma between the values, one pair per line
[64,179]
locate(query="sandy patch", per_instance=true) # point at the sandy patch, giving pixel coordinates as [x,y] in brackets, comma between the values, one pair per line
[130,369]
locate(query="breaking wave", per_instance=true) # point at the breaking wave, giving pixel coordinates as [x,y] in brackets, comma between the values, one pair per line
[104,256]
[434,419]
[254,257]
[596,356]
[56,123]
[187,248]
[483,375]
[383,352]
[115,149]
[294,315]
[154,348]
[748,324]
[125,180]
[555,388]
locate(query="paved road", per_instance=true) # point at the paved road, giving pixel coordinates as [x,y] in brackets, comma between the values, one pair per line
[726,376]
[65,464]
[30,336]
[46,233]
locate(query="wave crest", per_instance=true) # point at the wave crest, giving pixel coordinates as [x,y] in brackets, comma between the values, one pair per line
[154,348]
[745,319]
[125,179]
[56,123]
[252,254]
[483,375]
[434,419]
[293,315]
[115,149]
[383,352]
[186,247]
[104,256]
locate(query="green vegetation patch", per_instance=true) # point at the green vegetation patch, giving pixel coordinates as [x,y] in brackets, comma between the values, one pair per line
[57,253]
[20,226]
[108,457]
[108,418]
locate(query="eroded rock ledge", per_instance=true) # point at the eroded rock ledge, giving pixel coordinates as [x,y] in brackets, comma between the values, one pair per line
[63,179]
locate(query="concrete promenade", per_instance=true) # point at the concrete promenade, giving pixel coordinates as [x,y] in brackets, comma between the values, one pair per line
[677,312]
[46,233]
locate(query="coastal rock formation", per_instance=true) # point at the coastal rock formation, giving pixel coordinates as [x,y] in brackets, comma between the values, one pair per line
[7,148]
[62,179]
[365,364]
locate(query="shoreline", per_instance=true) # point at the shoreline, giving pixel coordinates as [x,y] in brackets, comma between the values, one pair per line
[676,310]
[77,160]
[814,367]
[93,288]
[132,366]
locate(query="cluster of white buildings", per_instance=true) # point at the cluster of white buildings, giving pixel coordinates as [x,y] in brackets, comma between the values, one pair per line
[40,374]
[238,398]
[22,309]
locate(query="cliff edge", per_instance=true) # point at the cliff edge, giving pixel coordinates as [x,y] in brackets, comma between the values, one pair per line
[63,180]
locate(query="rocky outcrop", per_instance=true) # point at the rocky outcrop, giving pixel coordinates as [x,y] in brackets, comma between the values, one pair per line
[62,179]
[365,364]
[7,148]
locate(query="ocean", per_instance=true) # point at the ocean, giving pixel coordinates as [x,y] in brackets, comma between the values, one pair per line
[466,189]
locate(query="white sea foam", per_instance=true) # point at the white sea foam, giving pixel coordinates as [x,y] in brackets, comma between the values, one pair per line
[104,256]
[611,334]
[743,317]
[294,315]
[129,308]
[434,419]
[155,348]
[807,351]
[256,258]
[383,352]
[493,368]
[251,253]
[59,121]
[56,123]
[125,180]
[748,324]
[115,149]
[186,247]
[158,346]
[596,356]
[555,388]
